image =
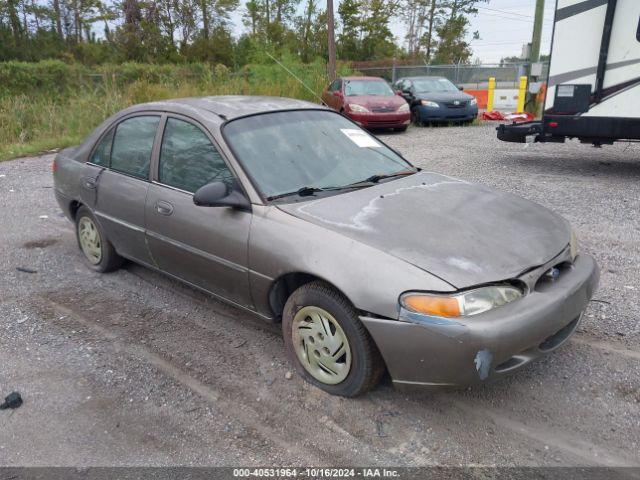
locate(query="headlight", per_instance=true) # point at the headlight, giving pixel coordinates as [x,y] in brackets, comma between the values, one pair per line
[573,245]
[354,107]
[404,107]
[429,103]
[463,304]
[473,101]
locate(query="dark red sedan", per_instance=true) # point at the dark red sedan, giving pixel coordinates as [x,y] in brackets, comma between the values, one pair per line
[368,101]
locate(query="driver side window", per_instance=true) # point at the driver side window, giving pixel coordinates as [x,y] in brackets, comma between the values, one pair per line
[188,159]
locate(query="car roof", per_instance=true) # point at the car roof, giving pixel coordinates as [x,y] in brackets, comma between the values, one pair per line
[225,107]
[355,77]
[424,77]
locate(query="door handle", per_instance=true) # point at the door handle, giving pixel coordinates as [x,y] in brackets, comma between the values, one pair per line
[164,208]
[89,183]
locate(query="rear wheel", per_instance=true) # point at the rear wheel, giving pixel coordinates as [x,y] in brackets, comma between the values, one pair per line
[327,343]
[98,251]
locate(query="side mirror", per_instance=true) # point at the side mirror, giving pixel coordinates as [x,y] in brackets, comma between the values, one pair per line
[399,93]
[218,194]
[460,87]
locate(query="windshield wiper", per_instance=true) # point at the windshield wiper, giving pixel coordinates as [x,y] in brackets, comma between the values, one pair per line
[309,190]
[301,192]
[373,179]
[377,178]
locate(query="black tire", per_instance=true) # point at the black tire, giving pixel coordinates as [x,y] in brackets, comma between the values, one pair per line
[367,366]
[109,258]
[415,118]
[401,129]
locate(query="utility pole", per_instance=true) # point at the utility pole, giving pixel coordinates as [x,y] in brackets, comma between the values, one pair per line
[331,67]
[537,31]
[534,56]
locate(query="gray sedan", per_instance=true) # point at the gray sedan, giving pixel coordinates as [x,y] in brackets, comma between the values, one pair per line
[292,212]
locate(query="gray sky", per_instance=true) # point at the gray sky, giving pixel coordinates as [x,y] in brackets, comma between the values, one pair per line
[503,34]
[504,26]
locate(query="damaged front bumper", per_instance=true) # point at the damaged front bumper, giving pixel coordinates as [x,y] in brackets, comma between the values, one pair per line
[463,351]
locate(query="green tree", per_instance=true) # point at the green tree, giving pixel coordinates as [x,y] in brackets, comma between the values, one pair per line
[377,39]
[452,46]
[348,41]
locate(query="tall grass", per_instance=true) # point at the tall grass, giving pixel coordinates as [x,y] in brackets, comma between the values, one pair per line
[39,115]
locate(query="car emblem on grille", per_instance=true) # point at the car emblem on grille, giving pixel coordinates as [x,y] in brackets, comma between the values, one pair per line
[456,102]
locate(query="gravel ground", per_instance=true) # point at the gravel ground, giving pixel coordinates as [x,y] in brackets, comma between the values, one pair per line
[132,368]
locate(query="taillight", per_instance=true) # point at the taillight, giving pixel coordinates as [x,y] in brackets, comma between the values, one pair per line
[553,124]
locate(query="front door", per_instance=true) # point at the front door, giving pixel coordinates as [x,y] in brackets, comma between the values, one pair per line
[122,188]
[333,99]
[205,246]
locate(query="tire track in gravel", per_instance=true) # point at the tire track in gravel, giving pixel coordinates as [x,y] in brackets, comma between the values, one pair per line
[605,346]
[262,420]
[251,418]
[591,454]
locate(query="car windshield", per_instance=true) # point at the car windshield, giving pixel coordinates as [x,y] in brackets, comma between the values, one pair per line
[354,88]
[431,85]
[284,152]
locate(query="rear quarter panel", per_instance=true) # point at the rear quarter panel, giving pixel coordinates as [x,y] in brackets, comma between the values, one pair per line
[67,176]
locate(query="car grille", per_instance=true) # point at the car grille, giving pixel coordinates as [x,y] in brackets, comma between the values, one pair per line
[383,109]
[461,104]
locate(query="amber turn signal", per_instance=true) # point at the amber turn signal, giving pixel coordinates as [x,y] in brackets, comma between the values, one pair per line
[436,306]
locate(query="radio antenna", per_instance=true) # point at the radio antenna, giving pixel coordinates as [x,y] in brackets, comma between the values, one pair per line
[294,76]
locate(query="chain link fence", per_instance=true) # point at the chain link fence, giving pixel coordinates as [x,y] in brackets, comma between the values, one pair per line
[468,76]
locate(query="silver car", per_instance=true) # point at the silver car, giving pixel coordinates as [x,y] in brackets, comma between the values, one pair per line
[292,212]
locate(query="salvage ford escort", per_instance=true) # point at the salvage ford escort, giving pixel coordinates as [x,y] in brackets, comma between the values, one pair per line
[292,212]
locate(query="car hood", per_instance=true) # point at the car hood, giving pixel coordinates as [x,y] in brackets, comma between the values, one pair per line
[464,233]
[376,101]
[444,96]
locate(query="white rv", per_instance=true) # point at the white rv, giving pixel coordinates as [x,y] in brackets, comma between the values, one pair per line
[594,77]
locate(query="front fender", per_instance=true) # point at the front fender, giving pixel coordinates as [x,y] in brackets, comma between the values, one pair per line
[373,280]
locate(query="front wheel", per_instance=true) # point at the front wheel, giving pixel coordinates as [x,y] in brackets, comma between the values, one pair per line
[327,343]
[415,118]
[98,251]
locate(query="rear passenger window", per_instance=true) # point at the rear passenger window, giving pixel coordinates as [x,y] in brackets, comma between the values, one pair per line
[132,145]
[188,159]
[102,153]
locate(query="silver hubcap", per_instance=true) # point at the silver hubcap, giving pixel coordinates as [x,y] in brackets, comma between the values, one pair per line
[321,345]
[90,241]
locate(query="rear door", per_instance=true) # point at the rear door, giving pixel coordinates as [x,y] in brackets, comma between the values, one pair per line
[121,189]
[205,246]
[98,161]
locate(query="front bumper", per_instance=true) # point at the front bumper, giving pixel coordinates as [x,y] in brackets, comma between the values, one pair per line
[488,345]
[381,119]
[446,114]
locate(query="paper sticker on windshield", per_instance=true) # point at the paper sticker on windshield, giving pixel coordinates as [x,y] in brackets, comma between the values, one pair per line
[360,138]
